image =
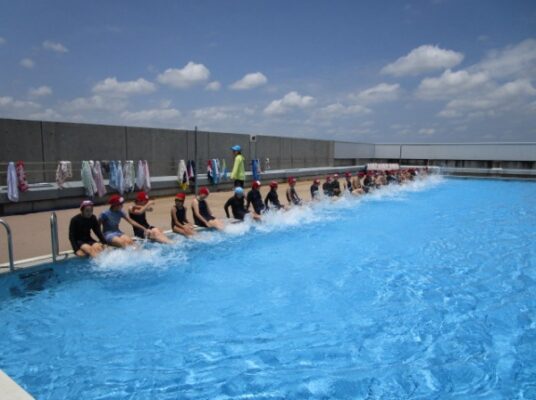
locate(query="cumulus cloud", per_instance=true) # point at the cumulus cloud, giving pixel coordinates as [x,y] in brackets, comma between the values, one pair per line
[292,100]
[54,46]
[450,83]
[338,109]
[422,59]
[427,131]
[213,86]
[27,63]
[215,113]
[41,91]
[379,93]
[152,115]
[191,74]
[250,81]
[95,103]
[518,60]
[10,102]
[47,115]
[113,87]
[491,102]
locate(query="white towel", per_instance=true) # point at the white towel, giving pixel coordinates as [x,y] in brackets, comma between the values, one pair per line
[182,175]
[147,182]
[12,184]
[129,176]
[140,176]
[87,179]
[97,177]
[120,180]
[63,172]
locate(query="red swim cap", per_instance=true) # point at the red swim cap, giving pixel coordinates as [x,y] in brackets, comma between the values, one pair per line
[180,196]
[273,184]
[204,191]
[141,197]
[256,184]
[116,200]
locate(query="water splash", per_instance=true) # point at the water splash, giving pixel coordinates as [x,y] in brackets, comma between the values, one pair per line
[150,255]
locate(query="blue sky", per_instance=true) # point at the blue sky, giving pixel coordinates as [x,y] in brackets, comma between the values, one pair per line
[374,71]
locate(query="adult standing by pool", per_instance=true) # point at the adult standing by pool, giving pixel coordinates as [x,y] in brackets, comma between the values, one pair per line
[238,173]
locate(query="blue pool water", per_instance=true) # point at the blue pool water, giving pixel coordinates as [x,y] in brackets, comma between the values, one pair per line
[423,292]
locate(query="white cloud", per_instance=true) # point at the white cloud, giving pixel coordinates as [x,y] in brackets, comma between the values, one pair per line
[423,59]
[291,100]
[491,102]
[338,109]
[113,87]
[10,102]
[152,115]
[250,81]
[40,91]
[46,115]
[518,60]
[427,131]
[215,113]
[2,41]
[190,75]
[54,46]
[213,86]
[379,93]
[27,63]
[450,83]
[96,102]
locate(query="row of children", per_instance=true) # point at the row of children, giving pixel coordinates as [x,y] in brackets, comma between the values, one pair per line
[106,228]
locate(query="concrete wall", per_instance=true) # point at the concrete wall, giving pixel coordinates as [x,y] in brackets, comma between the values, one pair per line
[458,151]
[42,144]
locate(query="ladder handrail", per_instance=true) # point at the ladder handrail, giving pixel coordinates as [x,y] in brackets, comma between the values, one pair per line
[54,235]
[9,244]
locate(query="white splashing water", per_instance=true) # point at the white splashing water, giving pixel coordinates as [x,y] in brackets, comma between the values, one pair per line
[154,256]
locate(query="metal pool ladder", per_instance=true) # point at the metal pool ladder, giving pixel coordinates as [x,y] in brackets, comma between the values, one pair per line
[9,245]
[54,236]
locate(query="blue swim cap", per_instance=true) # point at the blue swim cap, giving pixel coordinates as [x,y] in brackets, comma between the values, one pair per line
[236,147]
[238,190]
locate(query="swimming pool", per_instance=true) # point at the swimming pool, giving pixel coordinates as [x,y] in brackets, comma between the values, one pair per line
[422,292]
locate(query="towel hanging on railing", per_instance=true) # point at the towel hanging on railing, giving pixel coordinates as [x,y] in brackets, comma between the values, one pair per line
[256,170]
[129,176]
[147,183]
[12,184]
[210,172]
[21,177]
[87,179]
[182,175]
[190,166]
[223,169]
[143,178]
[63,172]
[96,171]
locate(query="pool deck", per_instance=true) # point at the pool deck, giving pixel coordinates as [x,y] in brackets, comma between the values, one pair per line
[31,232]
[10,390]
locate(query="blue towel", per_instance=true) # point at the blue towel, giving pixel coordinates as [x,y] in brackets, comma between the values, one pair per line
[256,170]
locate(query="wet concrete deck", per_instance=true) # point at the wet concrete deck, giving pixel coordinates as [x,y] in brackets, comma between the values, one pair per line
[31,232]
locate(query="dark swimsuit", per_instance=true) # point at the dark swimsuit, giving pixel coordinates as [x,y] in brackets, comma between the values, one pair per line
[203,211]
[273,198]
[254,198]
[142,220]
[181,217]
